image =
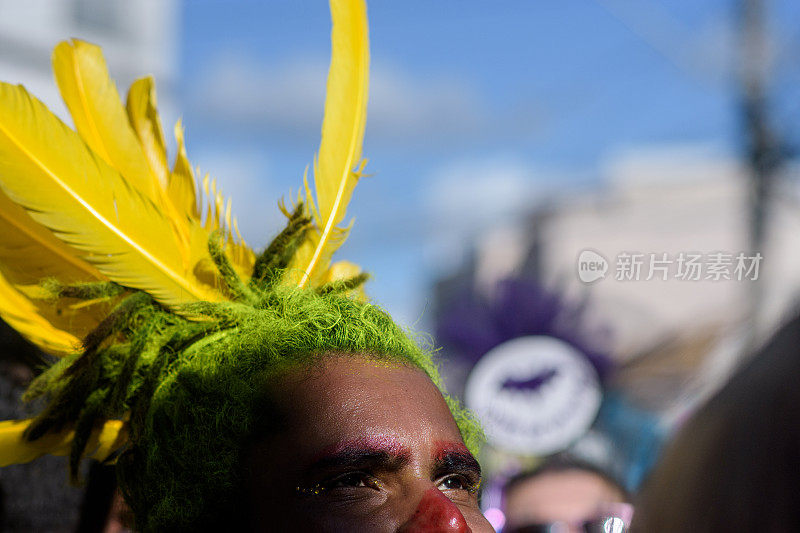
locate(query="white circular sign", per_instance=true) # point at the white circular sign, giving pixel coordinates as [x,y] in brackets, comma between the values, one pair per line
[534,395]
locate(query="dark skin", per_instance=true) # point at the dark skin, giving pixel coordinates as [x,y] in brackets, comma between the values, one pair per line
[373,447]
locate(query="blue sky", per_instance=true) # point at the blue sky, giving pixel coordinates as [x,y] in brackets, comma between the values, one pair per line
[478,110]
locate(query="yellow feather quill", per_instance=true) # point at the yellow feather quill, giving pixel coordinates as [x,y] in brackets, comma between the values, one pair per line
[338,165]
[14,449]
[180,183]
[46,168]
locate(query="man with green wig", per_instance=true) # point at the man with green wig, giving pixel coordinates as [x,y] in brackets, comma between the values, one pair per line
[232,390]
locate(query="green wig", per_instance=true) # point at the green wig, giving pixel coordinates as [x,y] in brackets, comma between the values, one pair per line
[193,382]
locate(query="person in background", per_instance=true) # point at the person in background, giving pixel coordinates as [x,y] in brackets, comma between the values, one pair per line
[565,495]
[735,465]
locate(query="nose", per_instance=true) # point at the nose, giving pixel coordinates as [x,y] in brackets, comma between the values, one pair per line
[435,513]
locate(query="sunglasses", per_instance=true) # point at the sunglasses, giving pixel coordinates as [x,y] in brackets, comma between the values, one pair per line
[605,524]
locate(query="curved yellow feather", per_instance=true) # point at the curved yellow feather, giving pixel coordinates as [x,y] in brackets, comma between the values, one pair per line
[182,186]
[104,124]
[30,253]
[218,218]
[342,132]
[143,115]
[23,316]
[47,169]
[14,449]
[342,270]
[97,111]
[33,253]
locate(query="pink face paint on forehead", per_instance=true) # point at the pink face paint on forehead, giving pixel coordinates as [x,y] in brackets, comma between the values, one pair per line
[369,444]
[442,449]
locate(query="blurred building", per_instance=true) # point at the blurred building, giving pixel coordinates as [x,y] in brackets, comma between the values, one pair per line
[673,201]
[138,38]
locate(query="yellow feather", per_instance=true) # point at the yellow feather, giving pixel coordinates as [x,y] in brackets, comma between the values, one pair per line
[180,184]
[22,315]
[218,218]
[243,257]
[97,111]
[341,270]
[143,116]
[335,173]
[29,253]
[14,449]
[182,187]
[48,170]
[105,126]
[33,253]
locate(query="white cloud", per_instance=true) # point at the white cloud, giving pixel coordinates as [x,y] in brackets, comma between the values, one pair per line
[470,197]
[482,188]
[403,106]
[289,97]
[236,88]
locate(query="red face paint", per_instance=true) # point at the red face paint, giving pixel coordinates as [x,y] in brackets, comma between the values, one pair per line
[436,514]
[444,448]
[369,444]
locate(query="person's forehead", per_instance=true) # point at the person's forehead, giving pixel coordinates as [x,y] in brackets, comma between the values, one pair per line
[348,397]
[572,481]
[561,495]
[346,409]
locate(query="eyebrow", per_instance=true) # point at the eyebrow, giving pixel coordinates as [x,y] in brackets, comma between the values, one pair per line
[454,456]
[380,452]
[375,452]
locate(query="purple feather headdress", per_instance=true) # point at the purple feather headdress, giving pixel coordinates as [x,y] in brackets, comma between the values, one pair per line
[472,324]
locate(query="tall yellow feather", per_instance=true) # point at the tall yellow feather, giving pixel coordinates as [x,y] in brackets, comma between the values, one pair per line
[14,449]
[143,115]
[182,188]
[103,123]
[180,184]
[96,109]
[335,172]
[46,168]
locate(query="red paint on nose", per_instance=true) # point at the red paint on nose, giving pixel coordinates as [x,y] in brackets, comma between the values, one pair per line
[436,514]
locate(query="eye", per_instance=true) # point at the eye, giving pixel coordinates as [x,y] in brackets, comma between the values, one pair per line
[350,483]
[457,482]
[353,480]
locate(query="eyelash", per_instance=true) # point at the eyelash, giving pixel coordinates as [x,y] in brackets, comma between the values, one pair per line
[369,481]
[330,484]
[467,484]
